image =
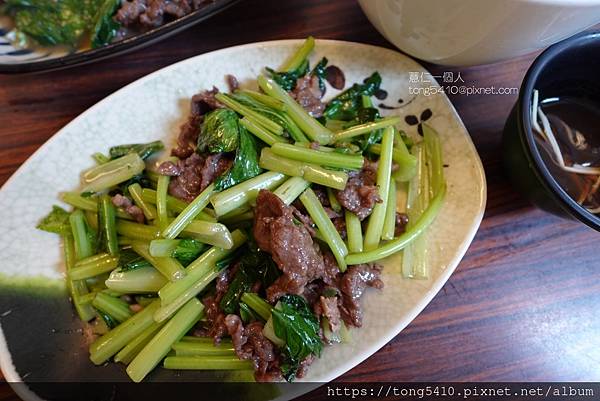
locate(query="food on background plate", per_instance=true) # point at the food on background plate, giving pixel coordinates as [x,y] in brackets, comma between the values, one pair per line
[83,24]
[250,247]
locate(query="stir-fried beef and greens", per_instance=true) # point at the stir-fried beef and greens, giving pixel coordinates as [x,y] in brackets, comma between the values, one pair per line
[90,23]
[251,246]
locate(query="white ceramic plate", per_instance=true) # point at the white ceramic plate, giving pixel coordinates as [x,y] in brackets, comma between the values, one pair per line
[154,107]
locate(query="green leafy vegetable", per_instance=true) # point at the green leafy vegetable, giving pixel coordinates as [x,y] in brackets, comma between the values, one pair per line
[188,250]
[246,313]
[219,132]
[57,221]
[254,265]
[142,179]
[319,72]
[129,260]
[406,139]
[347,104]
[105,27]
[276,116]
[366,115]
[110,321]
[245,164]
[295,324]
[107,229]
[144,150]
[51,22]
[100,158]
[287,80]
[228,260]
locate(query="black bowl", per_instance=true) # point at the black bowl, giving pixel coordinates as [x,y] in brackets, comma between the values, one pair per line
[570,68]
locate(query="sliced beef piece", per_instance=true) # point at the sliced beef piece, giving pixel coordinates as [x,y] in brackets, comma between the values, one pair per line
[352,284]
[302,215]
[148,14]
[263,350]
[178,8]
[215,318]
[188,137]
[205,101]
[214,166]
[154,15]
[193,174]
[127,205]
[401,223]
[290,245]
[308,94]
[312,292]
[256,286]
[200,104]
[169,168]
[360,194]
[331,272]
[235,328]
[232,82]
[250,344]
[156,11]
[187,184]
[130,11]
[294,278]
[340,226]
[306,221]
[303,368]
[328,307]
[321,194]
[332,214]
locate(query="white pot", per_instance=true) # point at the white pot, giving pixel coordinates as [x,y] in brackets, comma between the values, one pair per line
[471,32]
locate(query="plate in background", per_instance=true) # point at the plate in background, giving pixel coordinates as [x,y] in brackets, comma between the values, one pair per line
[17,60]
[153,108]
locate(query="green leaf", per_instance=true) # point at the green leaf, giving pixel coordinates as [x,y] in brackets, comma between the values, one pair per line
[247,314]
[144,150]
[245,164]
[227,261]
[110,321]
[273,115]
[51,22]
[294,323]
[319,72]
[287,80]
[254,265]
[57,221]
[348,103]
[219,132]
[188,250]
[142,179]
[366,115]
[105,27]
[129,260]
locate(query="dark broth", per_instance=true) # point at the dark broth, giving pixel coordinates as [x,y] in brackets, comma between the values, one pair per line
[575,123]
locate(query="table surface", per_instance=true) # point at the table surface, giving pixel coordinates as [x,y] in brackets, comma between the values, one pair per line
[521,306]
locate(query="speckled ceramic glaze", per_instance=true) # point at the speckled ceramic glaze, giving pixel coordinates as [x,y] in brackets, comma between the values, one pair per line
[153,108]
